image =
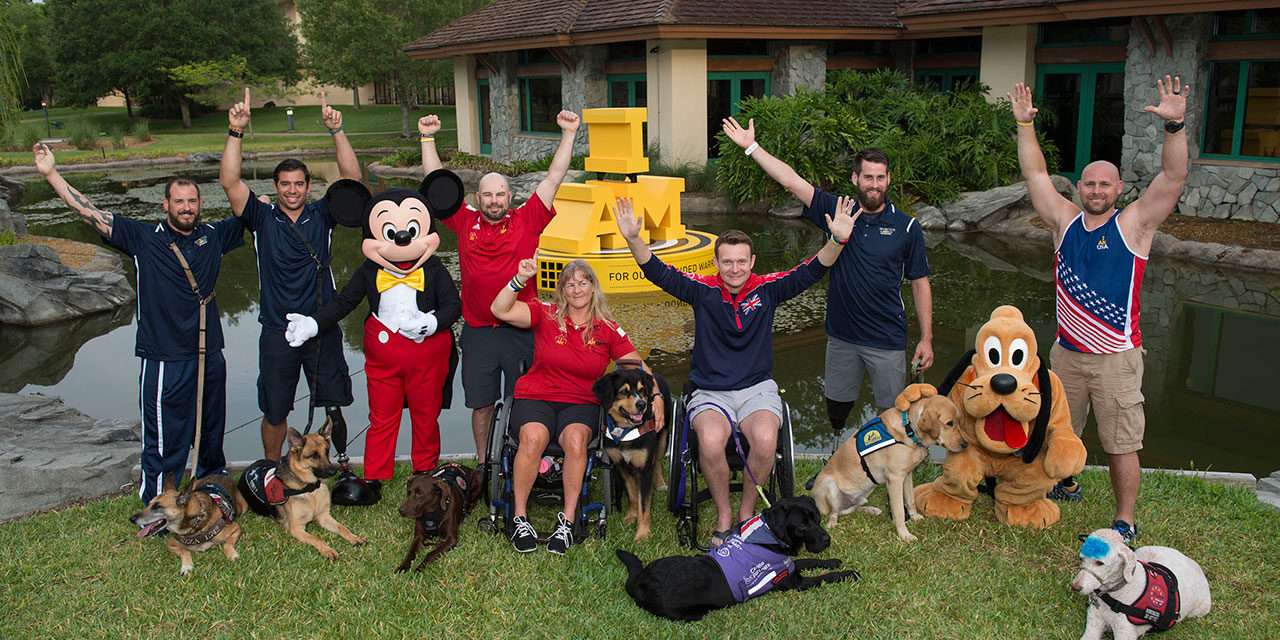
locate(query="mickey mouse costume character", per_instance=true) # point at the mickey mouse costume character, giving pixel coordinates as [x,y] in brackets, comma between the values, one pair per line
[410,356]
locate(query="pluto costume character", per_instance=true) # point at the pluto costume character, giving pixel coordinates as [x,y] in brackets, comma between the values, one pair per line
[1012,435]
[410,356]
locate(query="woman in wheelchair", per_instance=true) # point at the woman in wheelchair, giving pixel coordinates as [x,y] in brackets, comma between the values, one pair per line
[574,339]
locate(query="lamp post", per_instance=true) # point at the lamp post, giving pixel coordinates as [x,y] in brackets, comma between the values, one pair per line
[48,130]
[289,113]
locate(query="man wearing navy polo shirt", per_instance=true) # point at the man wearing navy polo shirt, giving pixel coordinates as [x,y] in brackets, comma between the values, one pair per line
[866,319]
[292,240]
[169,322]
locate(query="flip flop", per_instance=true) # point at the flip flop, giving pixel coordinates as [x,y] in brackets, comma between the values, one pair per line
[721,536]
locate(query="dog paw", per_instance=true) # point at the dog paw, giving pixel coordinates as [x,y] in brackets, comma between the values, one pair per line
[232,555]
[186,568]
[915,515]
[328,552]
[402,568]
[875,511]
[629,518]
[907,536]
[833,563]
[359,540]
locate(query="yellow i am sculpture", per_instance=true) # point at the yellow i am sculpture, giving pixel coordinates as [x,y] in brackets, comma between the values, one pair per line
[585,228]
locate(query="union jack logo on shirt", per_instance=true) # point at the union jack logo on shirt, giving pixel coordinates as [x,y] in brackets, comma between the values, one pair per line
[750,304]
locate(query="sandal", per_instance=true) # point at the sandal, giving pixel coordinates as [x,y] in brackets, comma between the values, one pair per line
[719,537]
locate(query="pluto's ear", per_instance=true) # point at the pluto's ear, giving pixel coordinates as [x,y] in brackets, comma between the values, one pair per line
[347,201]
[443,192]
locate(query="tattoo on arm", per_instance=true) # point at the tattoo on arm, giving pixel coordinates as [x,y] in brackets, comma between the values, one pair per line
[92,215]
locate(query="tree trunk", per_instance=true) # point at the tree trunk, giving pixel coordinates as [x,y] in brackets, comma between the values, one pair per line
[404,118]
[355,98]
[185,106]
[128,103]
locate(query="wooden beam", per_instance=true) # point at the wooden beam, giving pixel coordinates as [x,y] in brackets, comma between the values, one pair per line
[1242,49]
[717,63]
[1164,33]
[1079,55]
[488,65]
[1145,29]
[564,57]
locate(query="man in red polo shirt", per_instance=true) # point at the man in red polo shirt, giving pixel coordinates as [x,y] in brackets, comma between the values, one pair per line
[491,242]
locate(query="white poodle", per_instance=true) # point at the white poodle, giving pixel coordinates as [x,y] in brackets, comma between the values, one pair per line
[1132,592]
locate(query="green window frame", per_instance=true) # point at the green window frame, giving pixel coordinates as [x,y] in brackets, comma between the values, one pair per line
[949,76]
[1237,128]
[735,85]
[632,81]
[1088,88]
[526,108]
[1251,18]
[486,148]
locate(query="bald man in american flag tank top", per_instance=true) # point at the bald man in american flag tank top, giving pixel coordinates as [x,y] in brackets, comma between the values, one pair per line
[1099,260]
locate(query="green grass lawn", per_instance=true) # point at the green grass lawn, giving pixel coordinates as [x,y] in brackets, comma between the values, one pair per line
[81,572]
[369,127]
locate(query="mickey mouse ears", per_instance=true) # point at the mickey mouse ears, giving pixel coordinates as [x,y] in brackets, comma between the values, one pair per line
[347,199]
[444,193]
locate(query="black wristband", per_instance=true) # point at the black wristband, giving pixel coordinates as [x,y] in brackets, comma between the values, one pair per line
[235,134]
[1171,126]
[334,132]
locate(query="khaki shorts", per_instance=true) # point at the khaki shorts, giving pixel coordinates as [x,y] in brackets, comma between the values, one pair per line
[1110,384]
[740,403]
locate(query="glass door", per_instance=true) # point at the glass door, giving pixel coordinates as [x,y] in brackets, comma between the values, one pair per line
[1087,105]
[486,131]
[724,91]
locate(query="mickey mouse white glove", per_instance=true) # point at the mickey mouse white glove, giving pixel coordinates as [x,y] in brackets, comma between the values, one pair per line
[425,325]
[301,329]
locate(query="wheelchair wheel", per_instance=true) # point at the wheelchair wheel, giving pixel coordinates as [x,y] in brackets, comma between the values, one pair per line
[686,531]
[785,467]
[675,456]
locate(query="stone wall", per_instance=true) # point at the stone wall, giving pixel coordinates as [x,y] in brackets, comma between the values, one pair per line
[584,85]
[796,65]
[1214,189]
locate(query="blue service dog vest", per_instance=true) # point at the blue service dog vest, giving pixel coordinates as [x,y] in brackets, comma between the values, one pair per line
[751,569]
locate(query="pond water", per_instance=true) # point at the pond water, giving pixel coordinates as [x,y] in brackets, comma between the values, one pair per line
[1212,335]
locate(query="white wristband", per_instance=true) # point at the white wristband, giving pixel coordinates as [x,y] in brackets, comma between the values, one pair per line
[752,149]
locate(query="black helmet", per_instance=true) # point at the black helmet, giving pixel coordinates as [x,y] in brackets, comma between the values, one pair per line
[351,491]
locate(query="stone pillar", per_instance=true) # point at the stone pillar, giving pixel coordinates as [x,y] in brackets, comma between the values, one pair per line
[798,64]
[465,107]
[1008,57]
[1144,132]
[677,98]
[585,86]
[504,105]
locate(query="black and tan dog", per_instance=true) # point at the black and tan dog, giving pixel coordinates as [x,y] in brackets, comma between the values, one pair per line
[632,439]
[203,517]
[754,560]
[437,501]
[291,491]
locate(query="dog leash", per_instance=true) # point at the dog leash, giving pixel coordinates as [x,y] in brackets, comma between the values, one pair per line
[200,356]
[737,444]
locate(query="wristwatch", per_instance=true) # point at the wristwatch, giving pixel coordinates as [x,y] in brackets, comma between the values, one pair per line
[1172,126]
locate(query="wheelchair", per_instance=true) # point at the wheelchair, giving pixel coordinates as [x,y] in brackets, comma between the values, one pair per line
[683,492]
[499,472]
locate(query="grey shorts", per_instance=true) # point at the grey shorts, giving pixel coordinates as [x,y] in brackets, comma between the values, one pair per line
[847,361]
[739,403]
[492,359]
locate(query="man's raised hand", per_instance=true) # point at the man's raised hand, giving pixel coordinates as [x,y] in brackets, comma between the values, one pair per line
[331,117]
[628,224]
[1020,103]
[568,121]
[44,158]
[429,125]
[1173,99]
[238,114]
[841,225]
[741,137]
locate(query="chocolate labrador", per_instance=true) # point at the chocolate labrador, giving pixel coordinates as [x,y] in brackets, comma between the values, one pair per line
[437,501]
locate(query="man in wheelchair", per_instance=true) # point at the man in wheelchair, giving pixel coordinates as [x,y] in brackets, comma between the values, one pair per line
[574,339]
[733,348]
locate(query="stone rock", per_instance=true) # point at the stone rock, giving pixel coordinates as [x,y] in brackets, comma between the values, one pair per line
[205,158]
[931,218]
[523,185]
[11,221]
[972,207]
[957,225]
[36,288]
[10,189]
[53,454]
[790,209]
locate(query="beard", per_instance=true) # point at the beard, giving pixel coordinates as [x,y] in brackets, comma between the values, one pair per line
[1107,207]
[871,202]
[176,223]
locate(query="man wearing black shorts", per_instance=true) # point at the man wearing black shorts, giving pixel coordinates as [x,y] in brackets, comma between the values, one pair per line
[292,239]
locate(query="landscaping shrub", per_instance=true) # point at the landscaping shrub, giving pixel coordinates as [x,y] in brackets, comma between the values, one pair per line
[938,143]
[82,134]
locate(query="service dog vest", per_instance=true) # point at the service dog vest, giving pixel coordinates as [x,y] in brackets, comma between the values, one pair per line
[751,569]
[1159,603]
[874,436]
[264,490]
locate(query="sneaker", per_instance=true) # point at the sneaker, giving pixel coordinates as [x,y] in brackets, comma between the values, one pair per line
[562,539]
[1127,531]
[525,539]
[1066,493]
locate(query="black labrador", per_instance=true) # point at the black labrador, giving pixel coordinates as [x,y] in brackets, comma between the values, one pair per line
[755,560]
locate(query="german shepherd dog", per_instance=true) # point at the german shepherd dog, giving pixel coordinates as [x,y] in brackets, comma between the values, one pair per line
[291,491]
[437,501]
[631,439]
[203,517]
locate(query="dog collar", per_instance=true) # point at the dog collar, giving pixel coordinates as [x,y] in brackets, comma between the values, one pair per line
[621,434]
[911,433]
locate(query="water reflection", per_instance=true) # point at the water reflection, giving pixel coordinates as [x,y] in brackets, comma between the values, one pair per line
[1212,335]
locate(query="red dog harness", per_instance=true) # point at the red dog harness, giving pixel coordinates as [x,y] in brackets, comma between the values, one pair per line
[1159,603]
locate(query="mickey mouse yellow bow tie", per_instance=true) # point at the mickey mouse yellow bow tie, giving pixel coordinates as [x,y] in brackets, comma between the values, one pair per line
[386,280]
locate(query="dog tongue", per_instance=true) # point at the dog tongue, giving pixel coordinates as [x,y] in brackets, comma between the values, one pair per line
[149,529]
[999,425]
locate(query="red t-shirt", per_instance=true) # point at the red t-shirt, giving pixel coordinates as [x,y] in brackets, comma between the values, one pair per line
[489,254]
[564,368]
